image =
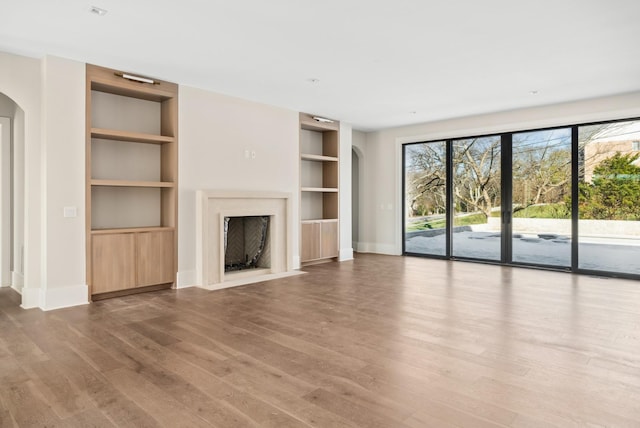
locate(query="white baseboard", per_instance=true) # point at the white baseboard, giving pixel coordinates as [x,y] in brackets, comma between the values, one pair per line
[186,278]
[64,297]
[30,297]
[370,247]
[345,254]
[296,263]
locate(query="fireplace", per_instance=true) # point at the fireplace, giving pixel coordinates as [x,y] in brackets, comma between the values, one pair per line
[246,243]
[242,237]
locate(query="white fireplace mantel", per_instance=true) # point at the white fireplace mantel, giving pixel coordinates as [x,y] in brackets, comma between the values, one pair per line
[212,206]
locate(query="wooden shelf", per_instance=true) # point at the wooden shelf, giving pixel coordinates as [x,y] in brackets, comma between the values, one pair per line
[130,230]
[131,189]
[106,80]
[319,189]
[319,220]
[318,158]
[131,183]
[134,137]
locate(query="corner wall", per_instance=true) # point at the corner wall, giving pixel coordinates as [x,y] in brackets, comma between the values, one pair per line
[63,136]
[381,209]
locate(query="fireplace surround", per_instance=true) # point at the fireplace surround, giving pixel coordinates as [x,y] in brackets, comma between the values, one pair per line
[214,208]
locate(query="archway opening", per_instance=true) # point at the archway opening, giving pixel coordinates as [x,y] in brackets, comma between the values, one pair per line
[355,198]
[11,194]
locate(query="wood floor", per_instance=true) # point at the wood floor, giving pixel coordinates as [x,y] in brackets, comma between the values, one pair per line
[379,342]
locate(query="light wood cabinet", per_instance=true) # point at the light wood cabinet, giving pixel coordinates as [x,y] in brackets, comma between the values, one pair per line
[126,260]
[319,188]
[113,257]
[154,252]
[131,181]
[310,242]
[319,240]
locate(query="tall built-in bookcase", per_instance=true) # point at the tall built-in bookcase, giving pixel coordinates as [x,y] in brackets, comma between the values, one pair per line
[132,182]
[319,188]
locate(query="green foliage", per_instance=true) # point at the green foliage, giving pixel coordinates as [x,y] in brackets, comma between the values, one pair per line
[559,210]
[614,193]
[440,223]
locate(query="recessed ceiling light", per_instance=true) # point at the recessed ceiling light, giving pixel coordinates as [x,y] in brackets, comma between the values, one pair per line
[534,92]
[98,11]
[313,80]
[413,112]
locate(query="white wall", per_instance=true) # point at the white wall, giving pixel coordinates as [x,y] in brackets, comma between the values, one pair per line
[358,145]
[20,80]
[5,195]
[17,255]
[48,135]
[214,133]
[381,213]
[63,132]
[344,204]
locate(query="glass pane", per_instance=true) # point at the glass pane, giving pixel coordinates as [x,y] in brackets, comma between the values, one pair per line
[425,196]
[609,197]
[476,198]
[541,196]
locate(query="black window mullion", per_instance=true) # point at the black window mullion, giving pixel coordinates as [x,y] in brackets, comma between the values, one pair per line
[449,204]
[507,200]
[404,198]
[575,213]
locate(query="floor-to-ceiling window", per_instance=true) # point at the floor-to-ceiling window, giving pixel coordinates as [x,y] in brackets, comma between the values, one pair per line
[476,198]
[541,197]
[565,198]
[609,197]
[426,198]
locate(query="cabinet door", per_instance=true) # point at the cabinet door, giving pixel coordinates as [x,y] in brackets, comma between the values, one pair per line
[329,239]
[155,257]
[113,262]
[310,245]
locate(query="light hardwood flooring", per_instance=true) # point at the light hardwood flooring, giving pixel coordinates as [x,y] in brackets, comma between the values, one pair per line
[379,342]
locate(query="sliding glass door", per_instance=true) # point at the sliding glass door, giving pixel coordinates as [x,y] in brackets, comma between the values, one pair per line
[541,197]
[425,179]
[477,229]
[609,197]
[564,198]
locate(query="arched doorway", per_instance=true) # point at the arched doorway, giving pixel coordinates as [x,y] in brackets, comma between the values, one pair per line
[355,197]
[11,193]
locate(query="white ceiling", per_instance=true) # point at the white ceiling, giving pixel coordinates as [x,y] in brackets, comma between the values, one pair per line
[379,63]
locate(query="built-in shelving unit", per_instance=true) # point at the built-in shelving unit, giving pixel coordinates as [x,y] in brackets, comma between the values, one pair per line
[319,173]
[132,178]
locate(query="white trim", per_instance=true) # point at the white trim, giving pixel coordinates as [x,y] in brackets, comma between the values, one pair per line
[5,196]
[398,220]
[186,278]
[345,254]
[371,247]
[17,281]
[30,298]
[296,263]
[64,297]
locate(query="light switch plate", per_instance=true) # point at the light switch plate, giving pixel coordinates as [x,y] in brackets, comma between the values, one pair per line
[70,212]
